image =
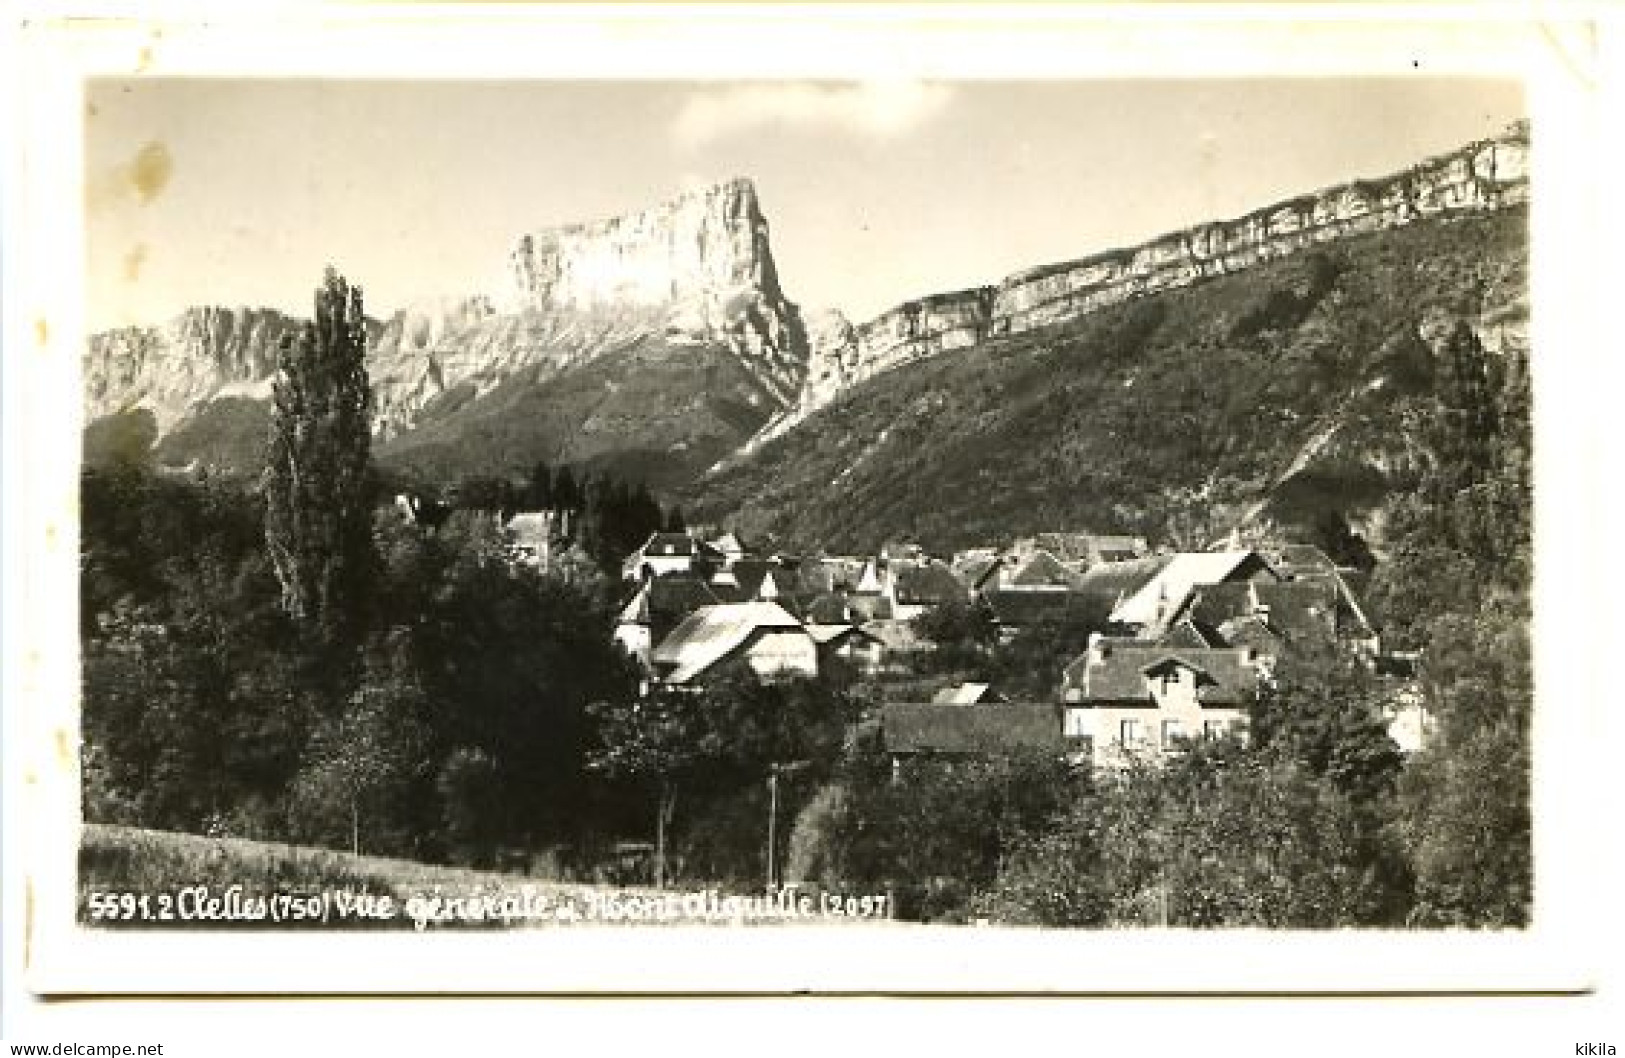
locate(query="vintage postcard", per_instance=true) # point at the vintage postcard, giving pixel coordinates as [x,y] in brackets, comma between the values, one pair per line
[897,501]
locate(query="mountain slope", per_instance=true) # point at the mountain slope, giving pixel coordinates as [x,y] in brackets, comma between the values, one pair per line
[1274,394]
[648,410]
[686,292]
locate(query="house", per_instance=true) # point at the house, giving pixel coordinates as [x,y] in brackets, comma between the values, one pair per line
[764,635]
[756,578]
[1040,571]
[427,512]
[666,553]
[1107,586]
[814,576]
[659,606]
[1016,610]
[977,568]
[1083,551]
[1037,589]
[532,537]
[731,547]
[1156,602]
[902,589]
[830,608]
[861,649]
[967,694]
[1312,608]
[899,641]
[910,730]
[919,586]
[1116,549]
[1130,698]
[874,580]
[1293,559]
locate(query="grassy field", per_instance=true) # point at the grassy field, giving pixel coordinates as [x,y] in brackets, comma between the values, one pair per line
[150,879]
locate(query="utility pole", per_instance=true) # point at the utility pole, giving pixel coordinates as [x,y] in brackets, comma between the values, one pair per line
[772,820]
[773,773]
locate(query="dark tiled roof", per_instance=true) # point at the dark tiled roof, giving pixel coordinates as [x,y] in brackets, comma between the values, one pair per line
[1036,607]
[1068,547]
[973,569]
[828,609]
[1300,609]
[1188,633]
[1351,615]
[1042,569]
[1304,558]
[1214,604]
[679,595]
[670,544]
[1187,571]
[983,730]
[748,572]
[1120,675]
[1251,632]
[1110,582]
[926,584]
[814,577]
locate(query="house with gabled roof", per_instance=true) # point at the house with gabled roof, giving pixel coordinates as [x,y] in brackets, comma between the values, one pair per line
[1083,551]
[1109,585]
[967,693]
[1314,608]
[764,635]
[1156,603]
[659,606]
[1134,699]
[666,553]
[854,645]
[918,586]
[730,547]
[829,608]
[1040,571]
[977,568]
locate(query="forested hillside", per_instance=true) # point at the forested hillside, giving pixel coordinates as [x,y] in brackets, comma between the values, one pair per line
[1284,392]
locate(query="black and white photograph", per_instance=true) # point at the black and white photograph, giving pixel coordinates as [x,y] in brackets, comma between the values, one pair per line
[852,510]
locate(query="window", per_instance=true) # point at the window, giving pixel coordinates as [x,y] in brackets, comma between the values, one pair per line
[1170,733]
[1077,723]
[1128,732]
[1212,729]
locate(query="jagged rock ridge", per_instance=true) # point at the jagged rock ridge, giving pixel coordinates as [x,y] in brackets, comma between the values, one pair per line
[1486,175]
[696,270]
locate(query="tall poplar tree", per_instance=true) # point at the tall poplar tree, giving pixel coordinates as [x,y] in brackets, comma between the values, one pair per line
[318,514]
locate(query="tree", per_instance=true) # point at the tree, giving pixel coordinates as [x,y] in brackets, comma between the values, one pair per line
[1222,835]
[661,738]
[318,518]
[719,740]
[1324,711]
[567,495]
[540,495]
[936,832]
[364,759]
[1457,584]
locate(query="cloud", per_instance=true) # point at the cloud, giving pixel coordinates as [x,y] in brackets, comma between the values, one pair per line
[875,109]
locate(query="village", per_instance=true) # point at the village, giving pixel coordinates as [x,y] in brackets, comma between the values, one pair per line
[1167,646]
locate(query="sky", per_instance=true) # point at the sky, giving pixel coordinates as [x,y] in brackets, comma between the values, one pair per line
[212,191]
